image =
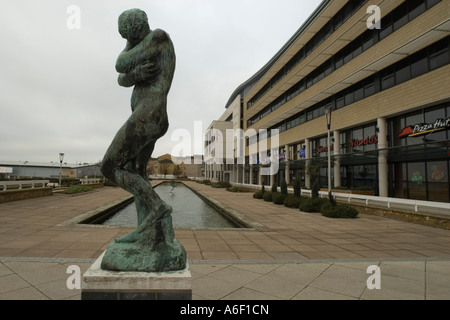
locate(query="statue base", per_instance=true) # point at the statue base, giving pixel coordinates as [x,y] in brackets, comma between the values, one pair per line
[152,249]
[99,284]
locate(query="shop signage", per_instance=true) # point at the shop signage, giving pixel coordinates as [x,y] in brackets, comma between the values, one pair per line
[321,149]
[302,153]
[6,170]
[354,143]
[425,128]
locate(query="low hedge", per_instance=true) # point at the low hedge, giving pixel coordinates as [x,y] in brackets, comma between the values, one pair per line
[221,184]
[312,204]
[267,196]
[258,195]
[339,211]
[239,189]
[278,197]
[78,189]
[292,201]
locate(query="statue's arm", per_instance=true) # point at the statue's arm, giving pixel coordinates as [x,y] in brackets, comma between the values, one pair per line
[140,73]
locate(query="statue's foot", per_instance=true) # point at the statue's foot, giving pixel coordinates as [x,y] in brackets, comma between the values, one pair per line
[134,236]
[128,238]
[163,211]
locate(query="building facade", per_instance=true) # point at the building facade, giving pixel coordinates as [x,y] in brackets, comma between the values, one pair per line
[386,86]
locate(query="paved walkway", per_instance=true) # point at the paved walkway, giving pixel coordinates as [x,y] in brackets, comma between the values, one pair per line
[287,255]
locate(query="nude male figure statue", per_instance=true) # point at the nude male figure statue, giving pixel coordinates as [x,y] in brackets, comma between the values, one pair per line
[148,64]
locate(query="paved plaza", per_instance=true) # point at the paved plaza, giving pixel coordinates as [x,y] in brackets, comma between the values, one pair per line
[286,254]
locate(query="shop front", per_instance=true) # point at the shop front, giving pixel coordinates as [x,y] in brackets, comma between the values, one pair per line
[419,154]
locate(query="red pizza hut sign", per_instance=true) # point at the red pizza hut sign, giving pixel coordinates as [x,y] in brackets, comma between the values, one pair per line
[425,128]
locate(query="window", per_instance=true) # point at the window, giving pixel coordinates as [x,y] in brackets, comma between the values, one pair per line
[387,81]
[328,67]
[349,98]
[358,50]
[417,181]
[359,94]
[302,119]
[338,60]
[419,65]
[348,55]
[403,73]
[431,115]
[369,89]
[400,17]
[416,8]
[386,29]
[340,102]
[368,42]
[315,113]
[431,3]
[439,59]
[437,178]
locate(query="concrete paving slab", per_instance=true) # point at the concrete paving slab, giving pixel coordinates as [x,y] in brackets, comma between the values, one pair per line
[312,293]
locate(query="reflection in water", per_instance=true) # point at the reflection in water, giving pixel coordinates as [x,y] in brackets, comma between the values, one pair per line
[189,211]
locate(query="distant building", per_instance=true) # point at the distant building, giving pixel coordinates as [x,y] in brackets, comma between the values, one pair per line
[165,166]
[16,170]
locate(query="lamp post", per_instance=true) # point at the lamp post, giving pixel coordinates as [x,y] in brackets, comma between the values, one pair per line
[24,169]
[61,157]
[328,114]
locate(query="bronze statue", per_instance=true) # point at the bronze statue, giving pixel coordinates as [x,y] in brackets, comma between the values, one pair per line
[148,64]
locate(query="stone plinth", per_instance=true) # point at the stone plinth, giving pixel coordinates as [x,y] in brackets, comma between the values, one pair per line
[98,284]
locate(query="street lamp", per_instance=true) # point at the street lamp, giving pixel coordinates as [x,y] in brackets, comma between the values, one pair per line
[328,114]
[61,157]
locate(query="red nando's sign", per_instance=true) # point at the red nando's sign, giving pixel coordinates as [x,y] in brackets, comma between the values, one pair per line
[354,143]
[421,129]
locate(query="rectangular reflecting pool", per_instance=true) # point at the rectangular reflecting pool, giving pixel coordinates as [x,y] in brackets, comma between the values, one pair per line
[189,210]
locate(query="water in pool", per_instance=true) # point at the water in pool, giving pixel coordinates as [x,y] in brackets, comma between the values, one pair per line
[189,210]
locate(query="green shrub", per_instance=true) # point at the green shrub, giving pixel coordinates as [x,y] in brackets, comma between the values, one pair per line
[239,189]
[78,189]
[340,211]
[278,198]
[306,205]
[258,195]
[274,188]
[312,204]
[221,184]
[284,187]
[319,202]
[292,201]
[297,187]
[267,196]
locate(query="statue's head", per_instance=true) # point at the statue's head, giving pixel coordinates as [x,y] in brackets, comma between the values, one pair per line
[133,25]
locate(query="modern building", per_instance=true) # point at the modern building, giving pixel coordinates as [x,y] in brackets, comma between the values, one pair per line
[386,83]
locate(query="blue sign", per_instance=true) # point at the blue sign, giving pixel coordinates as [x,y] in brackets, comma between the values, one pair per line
[302,153]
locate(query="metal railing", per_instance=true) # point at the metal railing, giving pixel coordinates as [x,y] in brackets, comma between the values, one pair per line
[8,185]
[416,206]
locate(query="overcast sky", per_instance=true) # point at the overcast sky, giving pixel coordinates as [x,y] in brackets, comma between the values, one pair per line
[59,90]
